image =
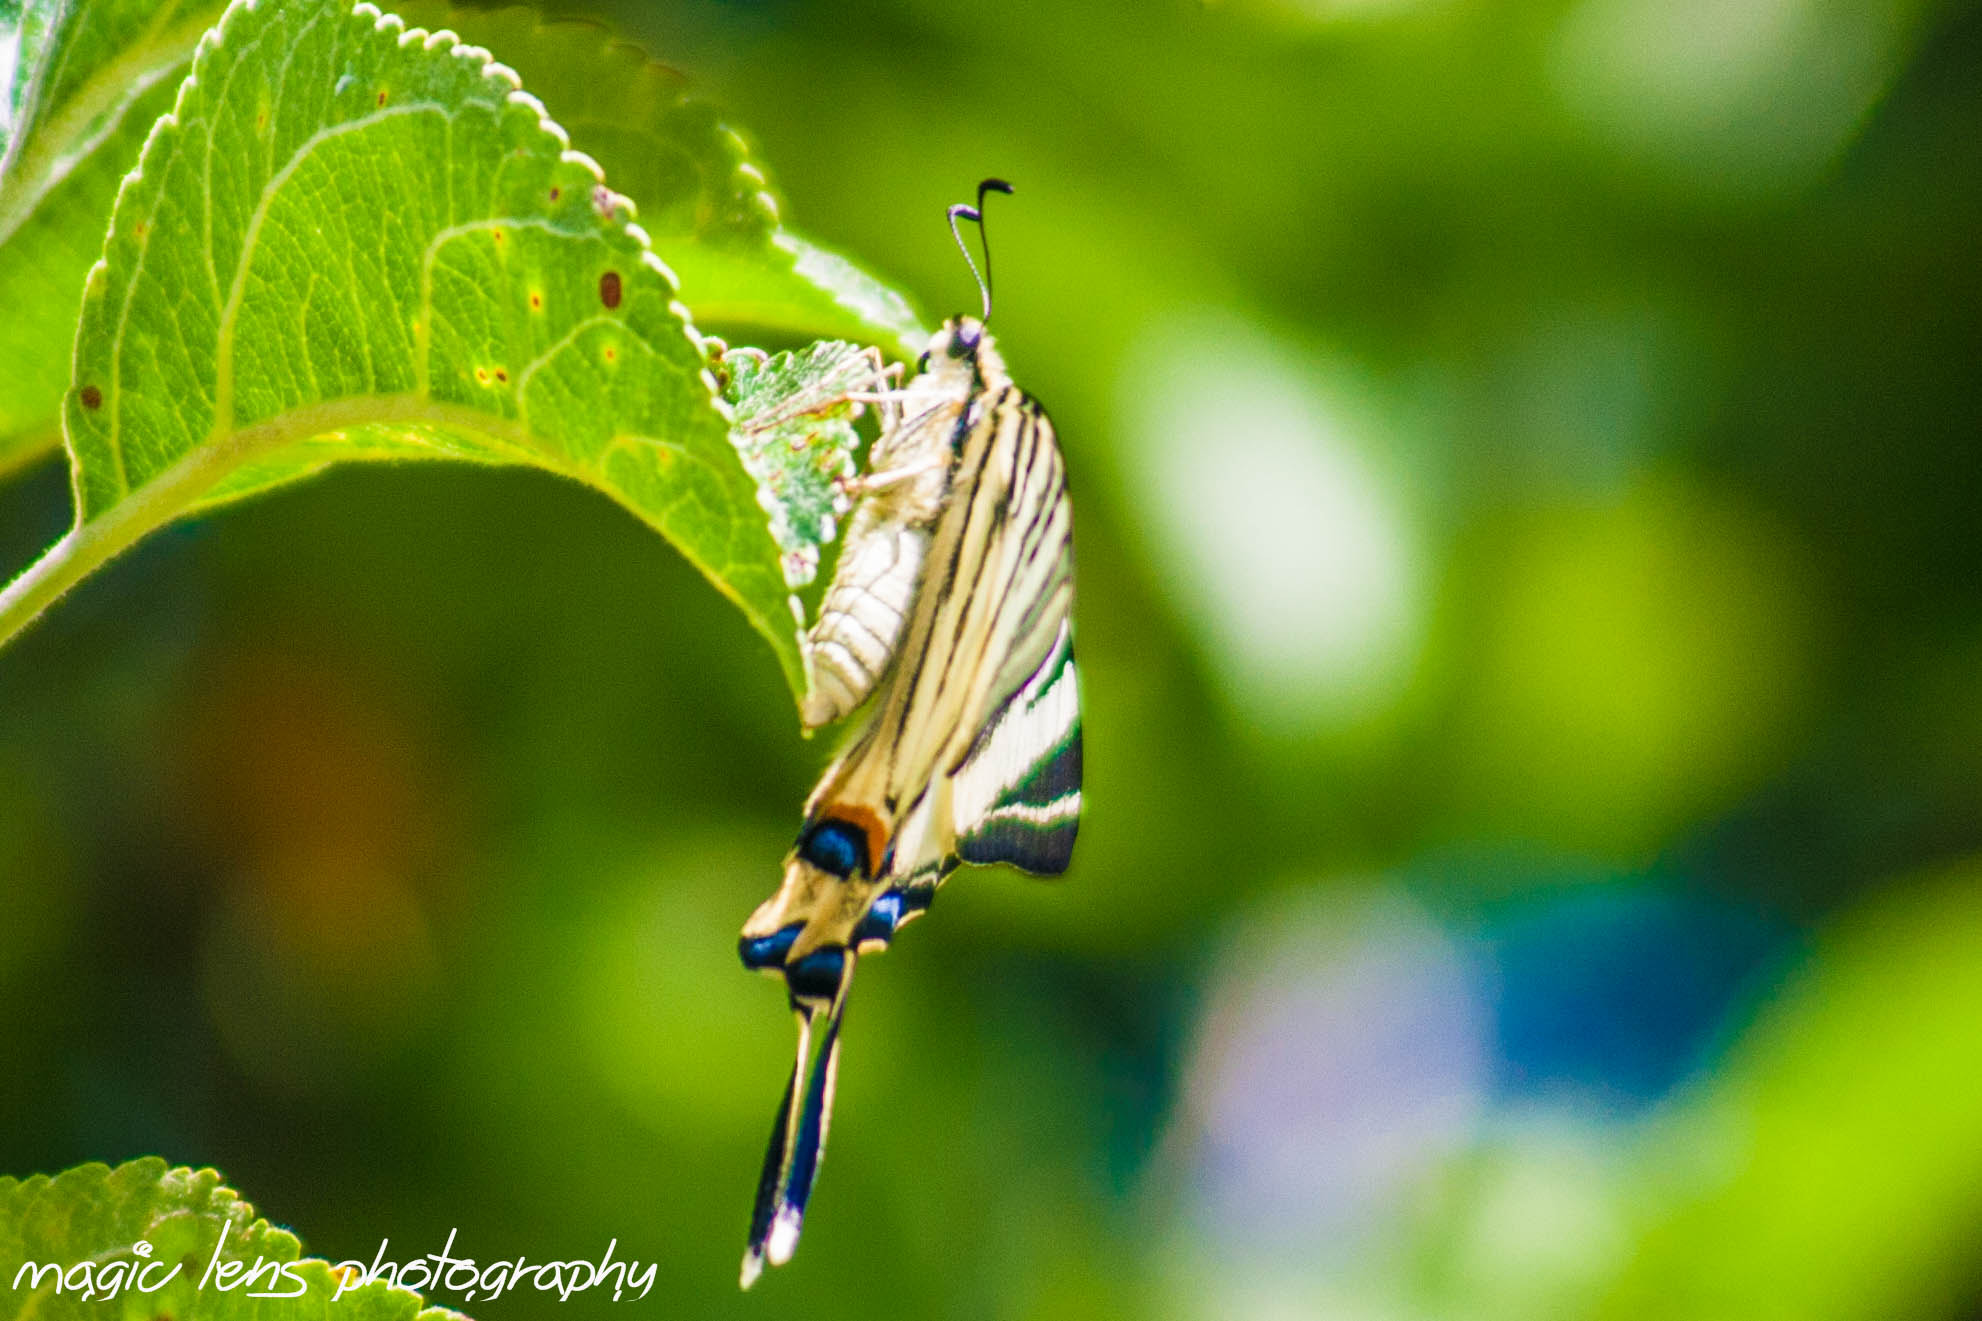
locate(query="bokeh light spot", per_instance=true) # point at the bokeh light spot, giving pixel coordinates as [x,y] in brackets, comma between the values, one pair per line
[1343,1053]
[1733,96]
[1251,466]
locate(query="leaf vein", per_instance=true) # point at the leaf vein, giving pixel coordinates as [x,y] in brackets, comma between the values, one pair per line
[223,419]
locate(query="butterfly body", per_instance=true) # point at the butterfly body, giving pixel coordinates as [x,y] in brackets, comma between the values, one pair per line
[864,611]
[971,747]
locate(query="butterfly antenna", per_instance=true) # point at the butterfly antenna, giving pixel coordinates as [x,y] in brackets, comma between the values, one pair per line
[965,211]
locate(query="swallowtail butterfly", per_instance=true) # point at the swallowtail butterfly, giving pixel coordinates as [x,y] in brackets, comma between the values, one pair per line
[949,616]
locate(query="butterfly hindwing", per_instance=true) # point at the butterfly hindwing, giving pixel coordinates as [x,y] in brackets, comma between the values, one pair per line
[1017,794]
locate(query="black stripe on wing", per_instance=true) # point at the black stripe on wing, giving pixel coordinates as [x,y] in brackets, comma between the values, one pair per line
[1037,569]
[1017,793]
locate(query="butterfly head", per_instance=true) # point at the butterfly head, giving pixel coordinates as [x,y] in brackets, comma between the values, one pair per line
[961,359]
[961,351]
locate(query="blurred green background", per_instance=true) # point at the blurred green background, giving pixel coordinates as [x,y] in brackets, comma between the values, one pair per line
[1524,459]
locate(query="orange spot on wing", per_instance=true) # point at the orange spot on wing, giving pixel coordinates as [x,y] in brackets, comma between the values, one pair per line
[869,824]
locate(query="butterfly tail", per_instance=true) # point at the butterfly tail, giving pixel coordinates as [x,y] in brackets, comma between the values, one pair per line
[808,1147]
[798,1140]
[777,1165]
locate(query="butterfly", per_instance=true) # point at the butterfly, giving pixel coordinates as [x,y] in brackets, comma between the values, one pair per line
[949,616]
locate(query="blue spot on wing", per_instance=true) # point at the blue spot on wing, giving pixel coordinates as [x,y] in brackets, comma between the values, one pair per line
[817,976]
[881,919]
[890,909]
[768,951]
[835,846]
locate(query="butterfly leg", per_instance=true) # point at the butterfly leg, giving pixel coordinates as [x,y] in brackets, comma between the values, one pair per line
[887,477]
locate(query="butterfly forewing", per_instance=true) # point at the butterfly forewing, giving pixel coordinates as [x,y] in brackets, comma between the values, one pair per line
[976,712]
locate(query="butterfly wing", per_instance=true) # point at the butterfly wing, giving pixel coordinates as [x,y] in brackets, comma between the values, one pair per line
[986,723]
[1016,797]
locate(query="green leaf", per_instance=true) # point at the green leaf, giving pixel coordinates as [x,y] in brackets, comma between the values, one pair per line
[90,1221]
[794,429]
[704,202]
[353,240]
[796,288]
[90,77]
[704,205]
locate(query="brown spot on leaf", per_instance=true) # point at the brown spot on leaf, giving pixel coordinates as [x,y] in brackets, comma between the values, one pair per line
[92,398]
[556,192]
[381,96]
[609,288]
[612,354]
[502,375]
[536,300]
